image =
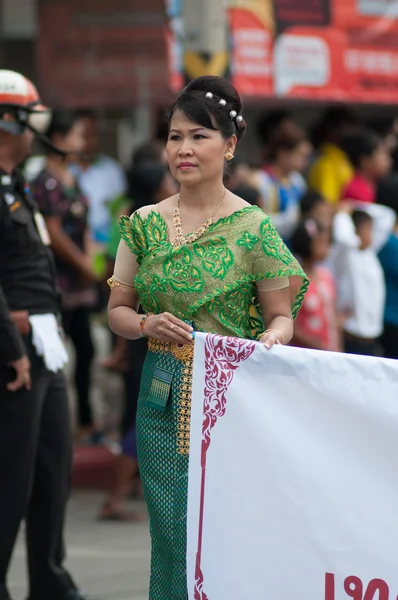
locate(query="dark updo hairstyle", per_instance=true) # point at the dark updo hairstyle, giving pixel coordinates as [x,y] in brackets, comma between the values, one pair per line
[208,112]
[306,232]
[360,145]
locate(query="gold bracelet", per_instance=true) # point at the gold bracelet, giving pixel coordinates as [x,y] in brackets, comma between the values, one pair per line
[276,331]
[112,283]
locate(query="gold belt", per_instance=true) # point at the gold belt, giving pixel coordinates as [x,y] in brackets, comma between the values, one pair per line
[184,353]
[181,352]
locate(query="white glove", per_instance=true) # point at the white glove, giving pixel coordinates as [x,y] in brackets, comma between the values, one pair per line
[48,342]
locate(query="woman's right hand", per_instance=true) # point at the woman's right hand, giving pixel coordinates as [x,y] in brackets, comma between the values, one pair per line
[167,328]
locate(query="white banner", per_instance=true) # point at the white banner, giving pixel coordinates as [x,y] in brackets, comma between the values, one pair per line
[293,476]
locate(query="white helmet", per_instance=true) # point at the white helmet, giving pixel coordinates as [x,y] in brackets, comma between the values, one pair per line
[20,97]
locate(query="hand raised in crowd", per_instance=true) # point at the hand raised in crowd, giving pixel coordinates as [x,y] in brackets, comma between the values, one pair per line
[167,328]
[22,370]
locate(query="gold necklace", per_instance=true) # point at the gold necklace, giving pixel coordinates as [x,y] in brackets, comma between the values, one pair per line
[190,238]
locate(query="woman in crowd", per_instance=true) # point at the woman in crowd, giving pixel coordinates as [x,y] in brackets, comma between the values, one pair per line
[281,182]
[65,210]
[202,260]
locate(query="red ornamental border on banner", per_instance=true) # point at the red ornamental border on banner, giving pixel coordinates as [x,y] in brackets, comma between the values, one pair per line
[223,356]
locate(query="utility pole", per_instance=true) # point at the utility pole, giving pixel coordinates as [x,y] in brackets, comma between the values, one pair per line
[205,38]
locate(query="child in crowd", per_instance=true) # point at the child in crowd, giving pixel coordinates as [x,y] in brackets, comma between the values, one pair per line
[316,324]
[360,231]
[369,155]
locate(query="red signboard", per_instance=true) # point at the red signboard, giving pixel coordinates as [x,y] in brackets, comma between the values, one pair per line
[102,53]
[316,49]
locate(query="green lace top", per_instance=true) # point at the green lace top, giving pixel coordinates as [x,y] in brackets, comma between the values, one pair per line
[211,282]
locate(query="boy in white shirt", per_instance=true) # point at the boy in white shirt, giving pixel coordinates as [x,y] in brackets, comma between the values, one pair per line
[359,233]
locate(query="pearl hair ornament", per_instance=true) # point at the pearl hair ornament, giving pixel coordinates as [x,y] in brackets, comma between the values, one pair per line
[233,114]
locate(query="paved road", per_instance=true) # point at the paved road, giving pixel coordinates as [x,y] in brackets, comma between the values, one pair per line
[110,561]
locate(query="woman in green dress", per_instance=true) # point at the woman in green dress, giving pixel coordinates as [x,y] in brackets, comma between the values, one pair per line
[203,260]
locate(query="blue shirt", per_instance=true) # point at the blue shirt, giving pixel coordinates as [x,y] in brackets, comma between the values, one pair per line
[101,183]
[389,260]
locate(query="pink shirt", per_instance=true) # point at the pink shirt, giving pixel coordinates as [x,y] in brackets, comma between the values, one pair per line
[359,189]
[317,316]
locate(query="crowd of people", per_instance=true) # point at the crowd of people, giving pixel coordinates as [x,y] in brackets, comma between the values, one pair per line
[332,194]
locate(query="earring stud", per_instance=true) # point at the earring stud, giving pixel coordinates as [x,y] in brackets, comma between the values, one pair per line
[228,156]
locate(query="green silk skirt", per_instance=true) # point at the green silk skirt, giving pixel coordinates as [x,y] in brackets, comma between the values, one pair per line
[163,418]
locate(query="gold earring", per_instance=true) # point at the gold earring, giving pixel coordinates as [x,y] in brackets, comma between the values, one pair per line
[229,156]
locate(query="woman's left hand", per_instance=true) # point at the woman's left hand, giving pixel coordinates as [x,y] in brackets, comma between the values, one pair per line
[270,338]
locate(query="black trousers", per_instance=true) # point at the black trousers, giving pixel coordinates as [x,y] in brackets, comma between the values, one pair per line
[76,324]
[35,464]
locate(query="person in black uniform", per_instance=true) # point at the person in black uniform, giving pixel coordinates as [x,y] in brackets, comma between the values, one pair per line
[35,443]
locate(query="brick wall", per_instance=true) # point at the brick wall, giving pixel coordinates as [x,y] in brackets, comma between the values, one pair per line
[102,53]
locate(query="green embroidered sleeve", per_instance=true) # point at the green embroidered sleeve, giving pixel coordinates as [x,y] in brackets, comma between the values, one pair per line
[144,235]
[271,259]
[132,231]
